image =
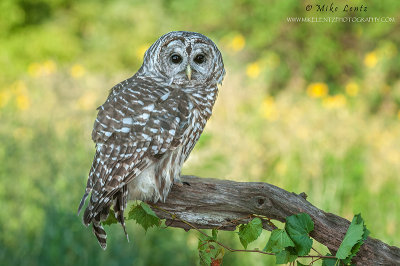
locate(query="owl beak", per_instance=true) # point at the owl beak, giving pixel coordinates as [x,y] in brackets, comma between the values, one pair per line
[189,72]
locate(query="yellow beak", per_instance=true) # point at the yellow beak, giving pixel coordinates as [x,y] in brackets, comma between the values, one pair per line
[188,72]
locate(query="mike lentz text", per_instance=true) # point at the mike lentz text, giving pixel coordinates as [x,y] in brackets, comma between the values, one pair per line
[335,8]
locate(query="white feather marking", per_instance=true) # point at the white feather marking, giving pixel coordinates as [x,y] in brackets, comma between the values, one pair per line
[125,129]
[144,116]
[165,96]
[146,137]
[149,107]
[127,120]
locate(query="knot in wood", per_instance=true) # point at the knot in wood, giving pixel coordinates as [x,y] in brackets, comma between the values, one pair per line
[261,202]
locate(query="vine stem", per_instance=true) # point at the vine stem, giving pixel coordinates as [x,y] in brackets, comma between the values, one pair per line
[173,216]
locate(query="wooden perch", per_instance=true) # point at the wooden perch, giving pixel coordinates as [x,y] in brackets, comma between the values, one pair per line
[211,203]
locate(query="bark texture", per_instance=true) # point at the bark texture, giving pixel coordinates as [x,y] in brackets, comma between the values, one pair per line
[211,203]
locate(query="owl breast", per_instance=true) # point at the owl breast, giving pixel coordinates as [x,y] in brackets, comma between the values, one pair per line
[155,182]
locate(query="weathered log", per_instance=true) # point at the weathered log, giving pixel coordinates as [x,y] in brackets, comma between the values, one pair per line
[213,203]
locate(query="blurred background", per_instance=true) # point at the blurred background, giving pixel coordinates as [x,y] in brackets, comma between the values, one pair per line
[311,107]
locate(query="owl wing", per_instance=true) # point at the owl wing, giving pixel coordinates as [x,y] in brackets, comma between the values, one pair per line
[133,128]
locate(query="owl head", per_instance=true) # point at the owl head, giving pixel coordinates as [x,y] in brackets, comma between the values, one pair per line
[184,58]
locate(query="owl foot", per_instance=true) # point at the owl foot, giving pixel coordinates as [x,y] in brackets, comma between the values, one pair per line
[179,183]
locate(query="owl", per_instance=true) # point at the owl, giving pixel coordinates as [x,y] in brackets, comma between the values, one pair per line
[149,124]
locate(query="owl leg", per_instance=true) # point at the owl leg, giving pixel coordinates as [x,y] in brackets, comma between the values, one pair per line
[119,208]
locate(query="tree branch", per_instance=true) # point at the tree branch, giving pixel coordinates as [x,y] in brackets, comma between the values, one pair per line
[212,203]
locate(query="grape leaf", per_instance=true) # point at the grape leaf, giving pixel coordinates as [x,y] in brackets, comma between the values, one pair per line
[210,253]
[354,238]
[284,257]
[110,219]
[331,262]
[144,216]
[250,232]
[278,240]
[298,226]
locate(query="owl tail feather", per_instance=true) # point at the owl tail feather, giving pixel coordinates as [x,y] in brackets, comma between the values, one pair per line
[100,234]
[83,200]
[119,207]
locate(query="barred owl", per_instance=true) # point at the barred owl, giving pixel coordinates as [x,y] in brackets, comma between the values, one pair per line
[149,124]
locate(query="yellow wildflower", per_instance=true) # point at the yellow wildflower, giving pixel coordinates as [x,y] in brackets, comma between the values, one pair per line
[317,90]
[269,110]
[19,87]
[77,71]
[371,59]
[253,70]
[141,50]
[334,102]
[352,89]
[87,101]
[48,67]
[44,69]
[34,70]
[23,102]
[238,42]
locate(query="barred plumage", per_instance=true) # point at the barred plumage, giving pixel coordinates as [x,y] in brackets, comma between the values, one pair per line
[149,124]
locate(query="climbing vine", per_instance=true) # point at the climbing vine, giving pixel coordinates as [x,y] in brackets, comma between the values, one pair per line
[287,244]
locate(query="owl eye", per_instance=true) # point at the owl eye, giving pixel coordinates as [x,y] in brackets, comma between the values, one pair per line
[176,59]
[199,59]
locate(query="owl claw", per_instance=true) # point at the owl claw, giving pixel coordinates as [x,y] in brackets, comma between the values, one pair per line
[180,183]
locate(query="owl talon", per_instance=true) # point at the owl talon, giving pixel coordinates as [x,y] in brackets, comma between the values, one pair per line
[179,183]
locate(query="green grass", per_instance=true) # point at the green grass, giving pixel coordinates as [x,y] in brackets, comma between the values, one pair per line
[287,114]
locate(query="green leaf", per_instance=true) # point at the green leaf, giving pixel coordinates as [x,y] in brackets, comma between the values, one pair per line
[144,216]
[209,251]
[278,240]
[300,264]
[355,236]
[147,209]
[284,257]
[214,234]
[110,219]
[330,262]
[298,226]
[250,232]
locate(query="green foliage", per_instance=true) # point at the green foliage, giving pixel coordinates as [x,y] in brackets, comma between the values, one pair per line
[250,232]
[331,262]
[110,219]
[143,215]
[298,227]
[47,112]
[278,240]
[355,236]
[210,253]
[284,257]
